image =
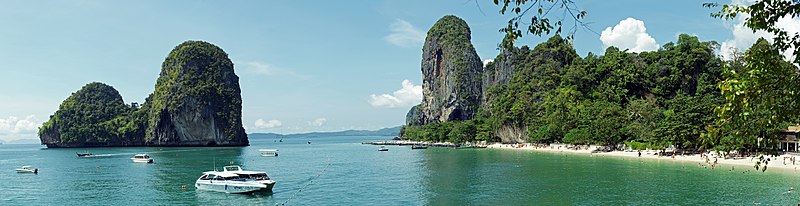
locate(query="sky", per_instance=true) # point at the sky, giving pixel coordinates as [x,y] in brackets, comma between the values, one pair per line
[302,66]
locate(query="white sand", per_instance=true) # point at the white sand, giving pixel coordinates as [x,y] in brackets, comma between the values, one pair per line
[782,162]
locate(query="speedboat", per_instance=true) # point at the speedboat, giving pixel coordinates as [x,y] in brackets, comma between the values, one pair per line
[268,152]
[258,176]
[383,149]
[418,147]
[27,169]
[227,182]
[85,154]
[142,158]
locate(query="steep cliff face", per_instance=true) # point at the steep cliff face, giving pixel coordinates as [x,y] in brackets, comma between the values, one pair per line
[414,116]
[95,115]
[197,100]
[451,71]
[498,72]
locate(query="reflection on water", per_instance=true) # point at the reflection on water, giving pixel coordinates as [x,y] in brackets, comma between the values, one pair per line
[218,198]
[502,177]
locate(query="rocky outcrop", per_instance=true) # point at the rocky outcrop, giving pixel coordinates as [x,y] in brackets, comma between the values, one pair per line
[414,116]
[93,116]
[498,72]
[197,100]
[451,71]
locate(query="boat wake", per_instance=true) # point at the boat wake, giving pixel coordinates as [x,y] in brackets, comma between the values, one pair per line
[133,153]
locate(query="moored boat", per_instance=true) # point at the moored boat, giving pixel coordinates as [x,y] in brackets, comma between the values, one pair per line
[142,158]
[418,147]
[85,154]
[258,176]
[268,152]
[227,182]
[27,169]
[383,149]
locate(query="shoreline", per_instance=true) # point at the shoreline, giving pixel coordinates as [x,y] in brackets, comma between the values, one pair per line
[782,163]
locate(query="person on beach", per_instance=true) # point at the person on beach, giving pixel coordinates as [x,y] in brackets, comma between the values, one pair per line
[640,153]
[715,163]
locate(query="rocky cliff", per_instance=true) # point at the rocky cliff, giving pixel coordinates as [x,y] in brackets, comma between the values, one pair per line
[197,100]
[95,115]
[451,71]
[498,72]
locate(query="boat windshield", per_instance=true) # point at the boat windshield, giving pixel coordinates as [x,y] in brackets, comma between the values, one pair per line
[257,176]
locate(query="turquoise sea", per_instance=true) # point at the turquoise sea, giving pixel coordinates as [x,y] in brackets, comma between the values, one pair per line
[341,171]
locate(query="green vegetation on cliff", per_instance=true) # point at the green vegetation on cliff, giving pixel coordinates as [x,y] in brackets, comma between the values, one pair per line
[659,98]
[453,34]
[196,102]
[196,75]
[95,115]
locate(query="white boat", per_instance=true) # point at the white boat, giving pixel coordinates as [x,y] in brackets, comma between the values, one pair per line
[27,169]
[227,182]
[268,152]
[383,149]
[258,176]
[142,158]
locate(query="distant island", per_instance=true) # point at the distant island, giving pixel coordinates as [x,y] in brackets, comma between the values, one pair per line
[391,131]
[197,102]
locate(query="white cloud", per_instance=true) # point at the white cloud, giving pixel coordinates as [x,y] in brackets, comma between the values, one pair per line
[404,34]
[262,124]
[13,128]
[258,68]
[318,122]
[629,34]
[408,95]
[265,69]
[744,37]
[14,125]
[487,61]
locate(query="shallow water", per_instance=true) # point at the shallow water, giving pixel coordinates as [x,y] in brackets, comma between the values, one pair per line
[341,171]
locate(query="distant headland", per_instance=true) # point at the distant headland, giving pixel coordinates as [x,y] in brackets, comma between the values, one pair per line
[196,102]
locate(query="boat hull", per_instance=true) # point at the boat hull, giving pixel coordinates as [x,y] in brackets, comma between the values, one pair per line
[268,183]
[142,160]
[25,171]
[227,188]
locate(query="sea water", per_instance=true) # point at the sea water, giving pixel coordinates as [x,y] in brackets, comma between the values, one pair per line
[342,171]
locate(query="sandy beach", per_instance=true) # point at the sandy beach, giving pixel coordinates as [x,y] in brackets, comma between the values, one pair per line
[783,162]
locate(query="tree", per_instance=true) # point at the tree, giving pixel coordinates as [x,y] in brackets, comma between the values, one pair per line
[759,99]
[764,15]
[540,23]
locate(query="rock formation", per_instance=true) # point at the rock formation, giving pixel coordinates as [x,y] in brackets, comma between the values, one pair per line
[92,116]
[498,72]
[197,100]
[414,116]
[451,71]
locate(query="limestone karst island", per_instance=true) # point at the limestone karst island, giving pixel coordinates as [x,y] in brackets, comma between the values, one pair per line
[196,102]
[382,102]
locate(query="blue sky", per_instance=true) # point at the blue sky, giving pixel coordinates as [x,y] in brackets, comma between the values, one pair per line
[319,66]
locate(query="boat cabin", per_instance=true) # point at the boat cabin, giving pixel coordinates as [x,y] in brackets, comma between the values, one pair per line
[232,168]
[220,176]
[268,152]
[141,156]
